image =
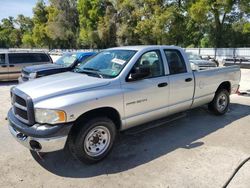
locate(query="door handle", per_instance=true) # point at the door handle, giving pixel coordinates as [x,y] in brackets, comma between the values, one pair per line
[188,79]
[162,84]
[12,65]
[3,65]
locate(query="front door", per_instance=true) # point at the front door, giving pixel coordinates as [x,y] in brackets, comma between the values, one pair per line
[146,99]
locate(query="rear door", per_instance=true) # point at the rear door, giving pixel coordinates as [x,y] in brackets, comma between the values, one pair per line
[19,60]
[181,82]
[4,69]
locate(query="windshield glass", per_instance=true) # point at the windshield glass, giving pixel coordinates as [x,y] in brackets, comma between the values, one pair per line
[192,56]
[108,63]
[66,60]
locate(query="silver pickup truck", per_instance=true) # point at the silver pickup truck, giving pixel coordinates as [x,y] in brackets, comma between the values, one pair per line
[117,89]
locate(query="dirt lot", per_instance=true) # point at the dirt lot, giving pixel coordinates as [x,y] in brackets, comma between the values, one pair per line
[199,150]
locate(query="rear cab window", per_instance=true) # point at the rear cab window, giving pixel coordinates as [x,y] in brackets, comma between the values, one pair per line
[176,62]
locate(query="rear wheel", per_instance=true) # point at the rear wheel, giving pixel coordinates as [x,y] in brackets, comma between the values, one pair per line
[220,103]
[94,140]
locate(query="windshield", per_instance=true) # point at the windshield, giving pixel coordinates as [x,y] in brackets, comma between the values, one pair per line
[192,56]
[66,60]
[108,63]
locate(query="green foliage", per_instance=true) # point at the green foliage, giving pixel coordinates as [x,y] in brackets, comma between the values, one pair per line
[107,28]
[39,32]
[127,20]
[9,35]
[246,28]
[219,15]
[25,24]
[27,40]
[90,12]
[108,23]
[62,24]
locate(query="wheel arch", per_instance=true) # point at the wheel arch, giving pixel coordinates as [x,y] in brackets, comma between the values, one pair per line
[109,112]
[225,85]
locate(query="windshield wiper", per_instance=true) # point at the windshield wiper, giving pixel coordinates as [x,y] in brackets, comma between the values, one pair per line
[95,71]
[90,72]
[92,69]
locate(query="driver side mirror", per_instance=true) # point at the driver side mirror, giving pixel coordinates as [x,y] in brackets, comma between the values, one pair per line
[139,73]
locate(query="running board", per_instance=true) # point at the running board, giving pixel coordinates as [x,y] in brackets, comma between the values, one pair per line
[154,124]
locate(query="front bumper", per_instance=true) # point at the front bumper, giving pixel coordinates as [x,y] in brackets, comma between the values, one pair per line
[39,144]
[42,138]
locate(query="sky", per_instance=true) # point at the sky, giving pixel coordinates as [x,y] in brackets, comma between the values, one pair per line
[15,7]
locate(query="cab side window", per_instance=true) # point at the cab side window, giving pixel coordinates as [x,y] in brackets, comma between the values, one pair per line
[2,59]
[153,60]
[17,58]
[176,62]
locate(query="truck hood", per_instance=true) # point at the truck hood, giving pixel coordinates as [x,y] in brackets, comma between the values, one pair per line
[35,68]
[60,84]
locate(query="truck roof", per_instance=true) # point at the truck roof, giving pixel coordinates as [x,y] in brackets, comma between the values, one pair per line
[144,47]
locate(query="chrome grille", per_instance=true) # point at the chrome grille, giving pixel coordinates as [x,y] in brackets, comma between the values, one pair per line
[22,107]
[20,101]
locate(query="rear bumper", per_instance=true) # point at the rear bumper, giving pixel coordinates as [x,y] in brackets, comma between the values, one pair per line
[235,89]
[42,138]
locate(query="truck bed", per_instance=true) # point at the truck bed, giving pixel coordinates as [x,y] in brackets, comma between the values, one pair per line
[207,81]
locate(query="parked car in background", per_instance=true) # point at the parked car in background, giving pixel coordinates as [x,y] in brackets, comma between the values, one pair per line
[65,63]
[212,59]
[12,63]
[241,61]
[198,63]
[117,89]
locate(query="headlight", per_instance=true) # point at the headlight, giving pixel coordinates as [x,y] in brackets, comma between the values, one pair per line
[32,75]
[50,116]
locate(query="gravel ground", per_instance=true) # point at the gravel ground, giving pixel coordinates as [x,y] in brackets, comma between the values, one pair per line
[199,150]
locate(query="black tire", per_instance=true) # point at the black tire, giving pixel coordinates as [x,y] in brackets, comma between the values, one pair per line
[78,140]
[216,106]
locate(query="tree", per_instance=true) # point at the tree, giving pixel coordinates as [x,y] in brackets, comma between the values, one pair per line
[9,35]
[161,22]
[39,32]
[24,23]
[62,26]
[27,41]
[90,12]
[107,23]
[216,14]
[127,20]
[25,26]
[107,27]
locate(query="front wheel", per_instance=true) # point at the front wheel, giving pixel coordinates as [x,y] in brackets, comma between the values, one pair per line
[220,103]
[94,140]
